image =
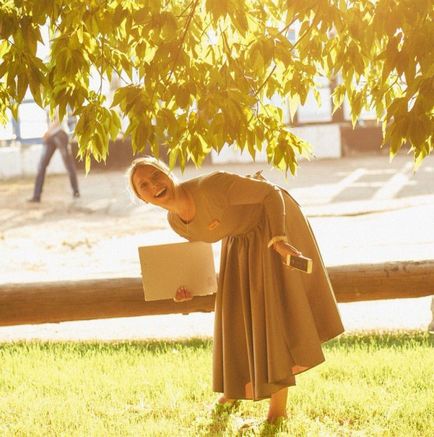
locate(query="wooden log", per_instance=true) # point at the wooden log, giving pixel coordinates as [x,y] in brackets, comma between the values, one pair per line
[48,302]
[392,280]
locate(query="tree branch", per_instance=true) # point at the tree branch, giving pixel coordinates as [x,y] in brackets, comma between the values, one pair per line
[190,17]
[102,66]
[304,34]
[226,44]
[293,47]
[266,80]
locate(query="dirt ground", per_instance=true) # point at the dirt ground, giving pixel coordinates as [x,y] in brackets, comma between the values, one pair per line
[98,234]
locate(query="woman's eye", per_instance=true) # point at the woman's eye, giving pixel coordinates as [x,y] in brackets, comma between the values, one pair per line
[156,176]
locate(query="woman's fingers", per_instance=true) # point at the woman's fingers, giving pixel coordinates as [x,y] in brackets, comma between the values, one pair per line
[284,249]
[178,295]
[182,294]
[288,249]
[293,249]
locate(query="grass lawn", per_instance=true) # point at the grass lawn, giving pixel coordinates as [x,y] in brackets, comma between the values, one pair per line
[372,384]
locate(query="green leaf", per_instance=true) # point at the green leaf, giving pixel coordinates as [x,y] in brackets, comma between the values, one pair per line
[173,156]
[115,125]
[182,97]
[338,96]
[87,164]
[22,84]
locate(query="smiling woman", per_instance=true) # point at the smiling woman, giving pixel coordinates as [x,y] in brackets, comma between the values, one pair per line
[270,320]
[148,170]
[152,182]
[152,185]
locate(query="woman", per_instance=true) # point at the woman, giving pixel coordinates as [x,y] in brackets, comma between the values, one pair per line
[270,320]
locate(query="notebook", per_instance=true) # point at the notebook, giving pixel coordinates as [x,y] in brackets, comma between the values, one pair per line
[166,267]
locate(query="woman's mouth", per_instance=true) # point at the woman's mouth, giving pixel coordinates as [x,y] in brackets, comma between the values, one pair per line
[159,194]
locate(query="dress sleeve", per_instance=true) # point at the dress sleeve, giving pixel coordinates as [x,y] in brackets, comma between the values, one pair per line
[239,190]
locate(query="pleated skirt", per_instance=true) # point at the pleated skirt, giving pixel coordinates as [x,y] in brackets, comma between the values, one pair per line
[265,331]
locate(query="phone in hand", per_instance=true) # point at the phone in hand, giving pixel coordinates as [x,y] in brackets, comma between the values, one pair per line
[300,262]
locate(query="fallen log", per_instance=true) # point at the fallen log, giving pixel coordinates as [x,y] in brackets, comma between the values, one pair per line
[48,302]
[391,280]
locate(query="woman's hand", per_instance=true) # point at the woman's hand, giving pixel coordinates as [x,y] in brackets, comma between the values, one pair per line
[182,294]
[284,249]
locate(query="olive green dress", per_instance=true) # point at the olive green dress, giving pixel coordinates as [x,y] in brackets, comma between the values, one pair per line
[270,321]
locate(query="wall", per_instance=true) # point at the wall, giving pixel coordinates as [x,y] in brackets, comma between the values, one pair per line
[21,161]
[328,141]
[324,138]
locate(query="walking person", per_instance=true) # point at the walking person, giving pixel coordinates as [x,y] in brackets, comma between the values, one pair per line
[270,320]
[55,138]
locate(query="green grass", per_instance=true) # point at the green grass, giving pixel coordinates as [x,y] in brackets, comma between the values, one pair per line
[378,384]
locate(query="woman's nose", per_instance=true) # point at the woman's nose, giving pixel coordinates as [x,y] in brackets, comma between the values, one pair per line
[154,187]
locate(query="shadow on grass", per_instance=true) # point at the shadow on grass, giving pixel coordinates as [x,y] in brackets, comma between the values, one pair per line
[262,428]
[218,421]
[269,430]
[222,422]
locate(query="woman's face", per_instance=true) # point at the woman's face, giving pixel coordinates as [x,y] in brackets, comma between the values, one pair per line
[153,186]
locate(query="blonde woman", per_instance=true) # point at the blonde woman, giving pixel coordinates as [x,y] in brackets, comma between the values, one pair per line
[270,320]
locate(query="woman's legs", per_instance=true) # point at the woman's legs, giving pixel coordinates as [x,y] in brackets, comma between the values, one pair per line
[223,400]
[249,395]
[277,406]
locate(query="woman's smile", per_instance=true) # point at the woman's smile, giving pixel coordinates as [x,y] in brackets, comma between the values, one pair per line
[161,193]
[152,185]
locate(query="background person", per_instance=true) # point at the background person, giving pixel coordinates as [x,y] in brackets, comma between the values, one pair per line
[55,137]
[270,320]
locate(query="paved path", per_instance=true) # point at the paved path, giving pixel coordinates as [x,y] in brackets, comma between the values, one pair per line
[363,209]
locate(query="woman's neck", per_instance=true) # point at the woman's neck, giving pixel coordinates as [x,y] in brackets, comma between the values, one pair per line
[184,206]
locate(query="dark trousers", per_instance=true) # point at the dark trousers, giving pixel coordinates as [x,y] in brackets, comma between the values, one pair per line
[58,141]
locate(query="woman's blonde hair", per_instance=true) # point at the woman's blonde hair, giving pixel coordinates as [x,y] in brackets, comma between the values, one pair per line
[143,162]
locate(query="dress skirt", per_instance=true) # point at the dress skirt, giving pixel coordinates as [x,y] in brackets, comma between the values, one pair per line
[270,320]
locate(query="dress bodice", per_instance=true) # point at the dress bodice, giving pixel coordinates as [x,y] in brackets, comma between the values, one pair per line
[215,218]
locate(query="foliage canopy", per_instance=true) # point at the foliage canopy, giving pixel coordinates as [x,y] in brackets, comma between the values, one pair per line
[198,74]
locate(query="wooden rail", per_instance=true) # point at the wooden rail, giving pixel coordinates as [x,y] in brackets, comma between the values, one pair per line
[47,302]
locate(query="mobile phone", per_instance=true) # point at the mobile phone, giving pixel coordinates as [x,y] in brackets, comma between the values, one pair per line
[300,262]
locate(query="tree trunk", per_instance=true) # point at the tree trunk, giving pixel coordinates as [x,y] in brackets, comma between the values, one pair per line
[48,302]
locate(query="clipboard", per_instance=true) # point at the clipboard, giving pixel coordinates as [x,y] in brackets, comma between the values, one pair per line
[166,267]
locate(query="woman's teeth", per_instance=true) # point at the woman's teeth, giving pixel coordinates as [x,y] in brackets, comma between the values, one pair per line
[160,193]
